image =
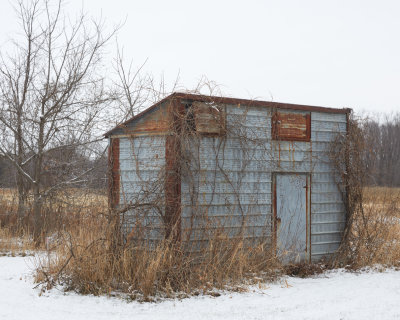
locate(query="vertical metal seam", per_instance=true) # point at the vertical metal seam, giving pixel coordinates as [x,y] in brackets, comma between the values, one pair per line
[172,186]
[114,176]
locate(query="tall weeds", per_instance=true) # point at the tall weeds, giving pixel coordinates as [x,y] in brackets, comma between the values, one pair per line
[89,259]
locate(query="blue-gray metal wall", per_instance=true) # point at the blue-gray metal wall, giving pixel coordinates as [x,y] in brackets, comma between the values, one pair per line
[142,164]
[327,207]
[234,187]
[228,182]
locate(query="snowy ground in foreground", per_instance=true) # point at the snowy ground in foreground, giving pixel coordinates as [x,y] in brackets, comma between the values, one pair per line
[337,295]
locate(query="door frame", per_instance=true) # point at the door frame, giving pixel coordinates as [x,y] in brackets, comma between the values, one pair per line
[275,212]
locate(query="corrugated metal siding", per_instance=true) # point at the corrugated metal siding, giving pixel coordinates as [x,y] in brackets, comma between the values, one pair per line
[234,186]
[327,208]
[233,192]
[228,181]
[142,163]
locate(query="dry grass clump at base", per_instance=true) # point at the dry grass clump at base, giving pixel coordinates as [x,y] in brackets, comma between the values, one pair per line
[88,256]
[90,259]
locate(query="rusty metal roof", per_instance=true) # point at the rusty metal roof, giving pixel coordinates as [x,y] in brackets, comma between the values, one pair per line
[234,101]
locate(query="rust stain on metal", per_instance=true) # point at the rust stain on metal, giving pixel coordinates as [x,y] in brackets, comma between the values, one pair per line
[279,153]
[114,179]
[307,222]
[309,214]
[274,216]
[172,187]
[156,122]
[293,151]
[311,155]
[291,126]
[228,101]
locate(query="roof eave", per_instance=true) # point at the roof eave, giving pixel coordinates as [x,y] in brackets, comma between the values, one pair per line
[140,114]
[227,100]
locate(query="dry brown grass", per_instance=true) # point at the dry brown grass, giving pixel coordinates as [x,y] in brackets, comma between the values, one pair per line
[374,231]
[87,257]
[88,260]
[10,244]
[382,195]
[382,221]
[62,208]
[13,241]
[67,198]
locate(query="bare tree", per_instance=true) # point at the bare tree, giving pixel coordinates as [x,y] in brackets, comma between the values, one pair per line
[134,90]
[52,93]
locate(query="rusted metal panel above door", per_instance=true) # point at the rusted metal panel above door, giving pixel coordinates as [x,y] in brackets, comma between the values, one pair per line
[291,126]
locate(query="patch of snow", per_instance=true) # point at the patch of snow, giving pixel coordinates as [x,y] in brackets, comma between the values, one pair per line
[333,295]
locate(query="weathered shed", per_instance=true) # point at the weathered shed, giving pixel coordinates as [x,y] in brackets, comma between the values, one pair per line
[193,164]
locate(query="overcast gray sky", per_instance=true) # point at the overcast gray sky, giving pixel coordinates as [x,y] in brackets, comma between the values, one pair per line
[328,53]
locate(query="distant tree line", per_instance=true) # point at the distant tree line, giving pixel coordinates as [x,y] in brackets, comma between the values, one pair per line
[383,153]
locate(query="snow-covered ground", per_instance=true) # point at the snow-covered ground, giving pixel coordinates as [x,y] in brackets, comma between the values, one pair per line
[335,295]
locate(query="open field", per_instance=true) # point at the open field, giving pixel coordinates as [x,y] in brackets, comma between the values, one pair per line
[75,198]
[68,207]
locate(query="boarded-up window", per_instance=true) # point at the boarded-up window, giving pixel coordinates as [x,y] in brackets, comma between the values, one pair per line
[208,119]
[291,126]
